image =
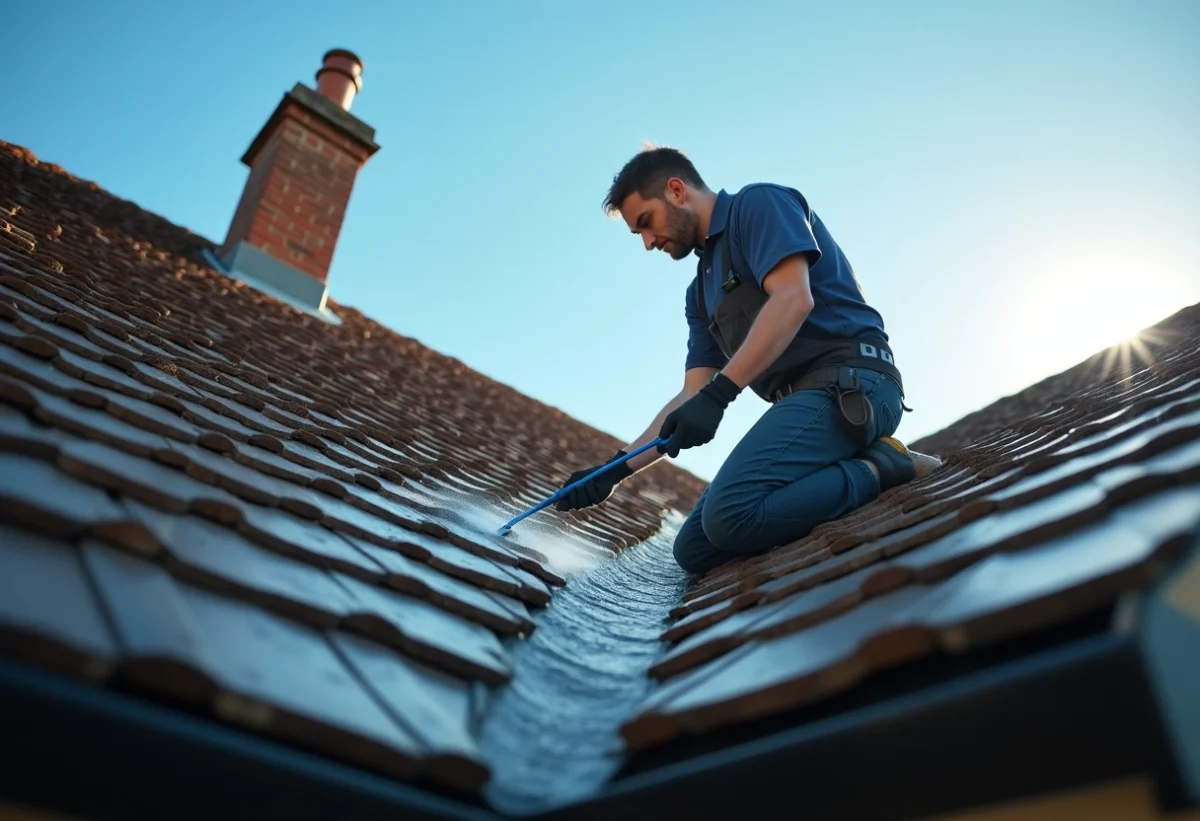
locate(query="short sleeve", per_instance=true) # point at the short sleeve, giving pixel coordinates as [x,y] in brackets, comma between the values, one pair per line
[702,348]
[770,225]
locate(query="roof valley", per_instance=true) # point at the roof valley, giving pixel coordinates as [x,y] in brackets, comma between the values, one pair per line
[552,733]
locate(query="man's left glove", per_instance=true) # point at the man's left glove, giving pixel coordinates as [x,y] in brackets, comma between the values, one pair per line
[596,490]
[695,422]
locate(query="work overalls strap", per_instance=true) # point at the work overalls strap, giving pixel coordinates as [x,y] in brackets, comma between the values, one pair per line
[811,360]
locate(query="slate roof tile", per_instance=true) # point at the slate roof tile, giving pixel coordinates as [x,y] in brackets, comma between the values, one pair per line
[425,632]
[212,556]
[433,706]
[48,613]
[20,433]
[253,668]
[424,581]
[292,535]
[36,494]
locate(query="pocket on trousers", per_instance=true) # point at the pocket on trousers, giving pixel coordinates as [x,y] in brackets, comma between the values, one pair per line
[886,396]
[887,423]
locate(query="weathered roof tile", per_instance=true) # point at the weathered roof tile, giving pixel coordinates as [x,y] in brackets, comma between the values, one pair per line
[316,544]
[426,632]
[212,556]
[48,613]
[422,580]
[251,667]
[433,706]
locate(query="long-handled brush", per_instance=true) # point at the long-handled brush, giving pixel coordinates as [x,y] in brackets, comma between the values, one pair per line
[564,491]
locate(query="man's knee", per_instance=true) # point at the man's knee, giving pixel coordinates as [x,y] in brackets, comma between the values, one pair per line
[727,523]
[688,557]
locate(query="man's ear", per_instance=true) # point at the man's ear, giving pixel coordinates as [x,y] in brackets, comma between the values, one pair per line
[676,192]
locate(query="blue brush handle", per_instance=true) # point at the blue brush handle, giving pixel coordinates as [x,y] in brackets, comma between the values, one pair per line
[564,491]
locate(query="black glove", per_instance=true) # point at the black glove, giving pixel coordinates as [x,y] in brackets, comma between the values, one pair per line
[695,421]
[599,488]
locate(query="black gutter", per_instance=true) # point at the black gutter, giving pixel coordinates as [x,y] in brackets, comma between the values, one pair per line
[71,747]
[1077,714]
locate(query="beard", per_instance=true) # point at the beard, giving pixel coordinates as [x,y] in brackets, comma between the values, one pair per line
[682,225]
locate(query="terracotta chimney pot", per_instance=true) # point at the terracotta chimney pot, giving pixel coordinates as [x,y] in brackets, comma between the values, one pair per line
[340,78]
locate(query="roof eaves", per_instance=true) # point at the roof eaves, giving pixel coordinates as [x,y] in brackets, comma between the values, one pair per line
[131,758]
[1020,727]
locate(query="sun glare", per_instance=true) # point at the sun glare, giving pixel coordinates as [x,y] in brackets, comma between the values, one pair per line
[1085,306]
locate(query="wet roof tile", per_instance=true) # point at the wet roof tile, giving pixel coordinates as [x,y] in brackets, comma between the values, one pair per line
[434,706]
[213,556]
[426,632]
[251,667]
[423,580]
[48,613]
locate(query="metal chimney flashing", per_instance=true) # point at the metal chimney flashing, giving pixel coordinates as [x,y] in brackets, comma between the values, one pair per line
[276,279]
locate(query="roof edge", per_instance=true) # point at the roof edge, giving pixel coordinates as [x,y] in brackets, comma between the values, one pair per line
[134,758]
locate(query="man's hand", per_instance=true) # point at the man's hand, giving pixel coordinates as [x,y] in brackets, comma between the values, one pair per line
[695,422]
[596,490]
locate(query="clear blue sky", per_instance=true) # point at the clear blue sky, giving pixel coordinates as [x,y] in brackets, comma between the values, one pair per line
[1016,183]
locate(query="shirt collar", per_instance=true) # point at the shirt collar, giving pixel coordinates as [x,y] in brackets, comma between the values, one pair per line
[718,218]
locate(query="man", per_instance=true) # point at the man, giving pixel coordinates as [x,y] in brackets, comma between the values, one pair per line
[774,307]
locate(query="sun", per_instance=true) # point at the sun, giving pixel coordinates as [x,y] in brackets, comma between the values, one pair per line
[1104,309]
[1083,304]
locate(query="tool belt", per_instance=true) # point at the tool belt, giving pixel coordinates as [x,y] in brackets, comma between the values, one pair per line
[855,411]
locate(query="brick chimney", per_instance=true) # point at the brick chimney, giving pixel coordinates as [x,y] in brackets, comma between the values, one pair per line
[303,164]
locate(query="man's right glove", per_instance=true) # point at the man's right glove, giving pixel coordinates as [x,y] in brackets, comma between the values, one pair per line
[596,490]
[695,422]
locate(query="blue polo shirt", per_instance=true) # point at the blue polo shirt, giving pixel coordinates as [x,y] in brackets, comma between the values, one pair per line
[773,222]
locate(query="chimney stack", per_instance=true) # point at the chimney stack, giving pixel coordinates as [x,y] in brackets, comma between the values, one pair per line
[303,164]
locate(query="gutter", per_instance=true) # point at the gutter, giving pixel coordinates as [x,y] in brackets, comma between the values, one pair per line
[104,754]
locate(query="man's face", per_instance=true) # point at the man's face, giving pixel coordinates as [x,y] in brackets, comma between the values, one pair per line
[662,225]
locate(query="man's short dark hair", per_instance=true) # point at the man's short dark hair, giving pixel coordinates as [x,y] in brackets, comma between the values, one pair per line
[647,174]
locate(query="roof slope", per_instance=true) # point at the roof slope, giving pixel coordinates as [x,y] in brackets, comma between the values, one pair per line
[214,500]
[1112,362]
[1049,505]
[219,503]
